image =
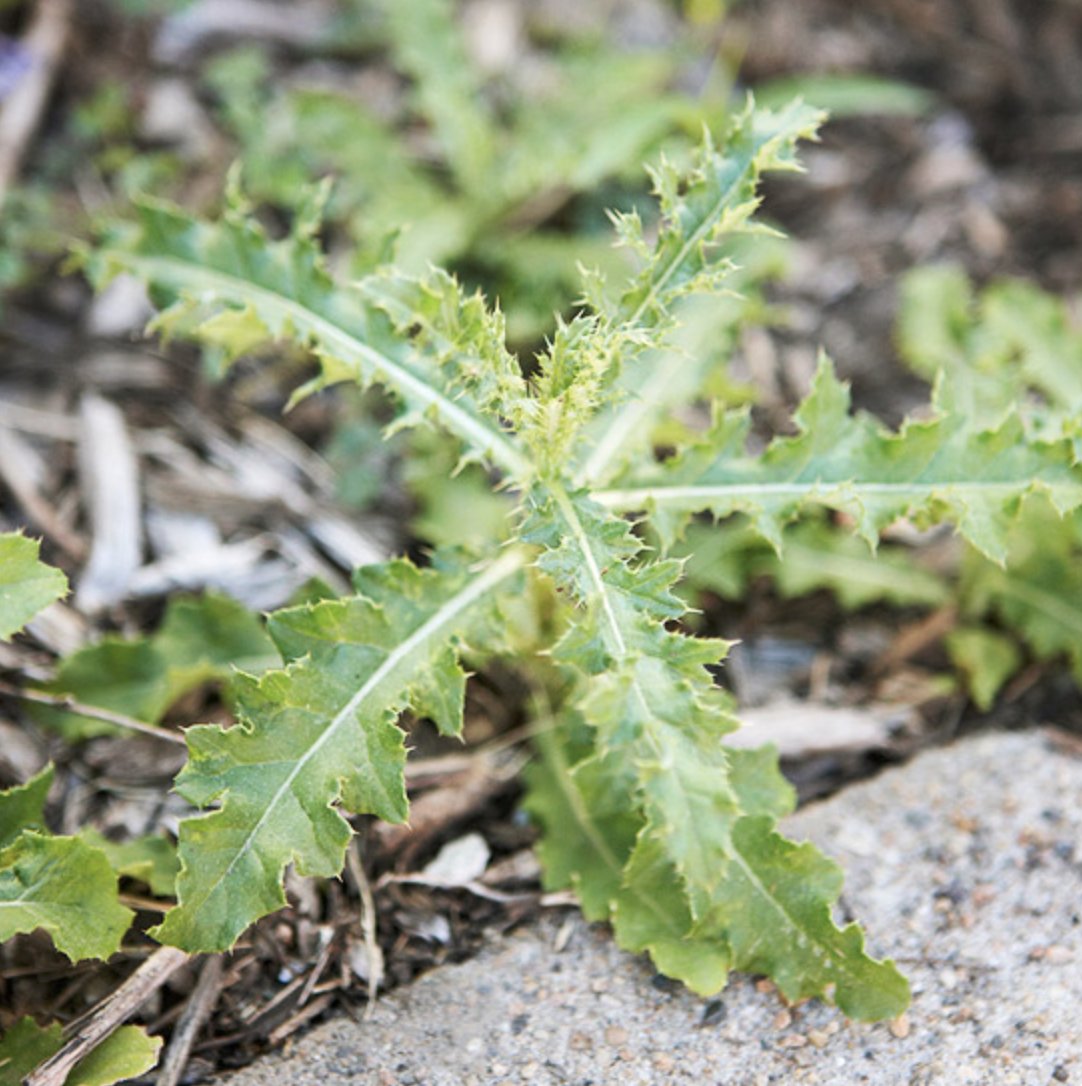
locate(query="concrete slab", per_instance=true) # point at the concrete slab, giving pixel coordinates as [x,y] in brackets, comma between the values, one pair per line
[965,866]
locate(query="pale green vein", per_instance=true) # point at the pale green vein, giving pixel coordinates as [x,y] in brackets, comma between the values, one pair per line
[199,279]
[507,564]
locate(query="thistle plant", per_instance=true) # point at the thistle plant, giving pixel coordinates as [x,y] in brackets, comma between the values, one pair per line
[661,829]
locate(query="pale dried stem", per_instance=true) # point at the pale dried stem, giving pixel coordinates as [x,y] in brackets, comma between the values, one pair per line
[368,924]
[197,1010]
[69,704]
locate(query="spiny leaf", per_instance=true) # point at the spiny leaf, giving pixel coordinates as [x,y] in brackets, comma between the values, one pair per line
[655,710]
[26,585]
[232,286]
[934,470]
[700,206]
[650,914]
[319,735]
[654,701]
[65,887]
[704,211]
[774,908]
[591,824]
[691,362]
[23,807]
[582,803]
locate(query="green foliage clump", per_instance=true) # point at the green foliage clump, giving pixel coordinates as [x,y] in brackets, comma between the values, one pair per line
[662,829]
[1010,350]
[62,885]
[480,172]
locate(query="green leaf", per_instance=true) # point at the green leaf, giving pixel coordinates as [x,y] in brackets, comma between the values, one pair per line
[233,287]
[125,1054]
[128,677]
[590,828]
[23,807]
[940,469]
[1010,347]
[26,585]
[206,638]
[848,94]
[1040,594]
[655,711]
[986,658]
[24,1045]
[591,831]
[701,206]
[320,735]
[651,914]
[151,860]
[200,640]
[774,908]
[426,43]
[815,556]
[65,887]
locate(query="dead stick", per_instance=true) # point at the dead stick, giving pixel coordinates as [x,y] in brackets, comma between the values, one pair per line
[109,1014]
[196,1011]
[45,42]
[68,703]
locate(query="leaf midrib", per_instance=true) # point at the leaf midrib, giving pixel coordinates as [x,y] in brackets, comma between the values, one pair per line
[199,277]
[629,499]
[507,564]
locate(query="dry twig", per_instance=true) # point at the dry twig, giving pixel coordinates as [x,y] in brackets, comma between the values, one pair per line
[368,924]
[197,1010]
[65,701]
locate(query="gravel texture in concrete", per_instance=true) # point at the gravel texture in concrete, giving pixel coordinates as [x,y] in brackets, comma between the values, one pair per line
[965,866]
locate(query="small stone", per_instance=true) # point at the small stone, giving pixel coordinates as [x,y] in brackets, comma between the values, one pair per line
[792,1040]
[900,1027]
[818,1037]
[664,1062]
[764,986]
[782,1020]
[599,985]
[616,1035]
[1061,1074]
[580,1042]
